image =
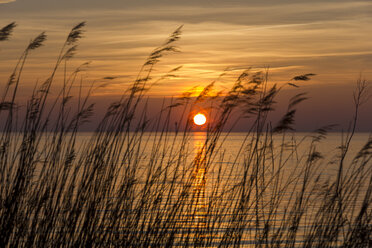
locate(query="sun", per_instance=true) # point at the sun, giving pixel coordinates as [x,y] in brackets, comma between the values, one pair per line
[200,119]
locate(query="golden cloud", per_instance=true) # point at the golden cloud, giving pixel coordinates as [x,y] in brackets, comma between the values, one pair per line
[6,1]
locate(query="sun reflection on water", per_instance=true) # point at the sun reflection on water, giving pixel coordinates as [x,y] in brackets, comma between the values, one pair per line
[199,202]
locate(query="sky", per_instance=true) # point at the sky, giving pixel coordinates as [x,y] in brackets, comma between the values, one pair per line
[331,38]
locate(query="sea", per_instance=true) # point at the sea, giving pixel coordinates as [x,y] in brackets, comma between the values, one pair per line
[249,188]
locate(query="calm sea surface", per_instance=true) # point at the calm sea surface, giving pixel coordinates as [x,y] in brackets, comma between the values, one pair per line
[237,185]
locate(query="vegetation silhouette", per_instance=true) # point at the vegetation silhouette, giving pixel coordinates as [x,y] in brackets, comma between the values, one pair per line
[106,193]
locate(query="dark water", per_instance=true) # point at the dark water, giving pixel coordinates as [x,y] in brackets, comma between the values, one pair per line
[242,190]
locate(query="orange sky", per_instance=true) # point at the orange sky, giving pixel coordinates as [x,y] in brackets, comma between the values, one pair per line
[331,38]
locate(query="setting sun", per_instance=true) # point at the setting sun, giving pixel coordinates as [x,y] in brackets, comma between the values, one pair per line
[200,119]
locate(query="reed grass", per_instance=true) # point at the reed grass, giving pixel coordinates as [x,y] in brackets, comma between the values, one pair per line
[107,193]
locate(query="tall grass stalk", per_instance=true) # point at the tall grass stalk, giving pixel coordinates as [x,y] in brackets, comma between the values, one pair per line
[126,187]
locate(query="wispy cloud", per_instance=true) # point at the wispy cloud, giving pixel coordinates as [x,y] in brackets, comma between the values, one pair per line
[324,37]
[6,1]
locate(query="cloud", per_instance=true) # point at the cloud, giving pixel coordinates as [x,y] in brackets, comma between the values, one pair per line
[331,39]
[6,1]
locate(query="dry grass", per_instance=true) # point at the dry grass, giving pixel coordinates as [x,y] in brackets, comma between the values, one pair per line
[55,193]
